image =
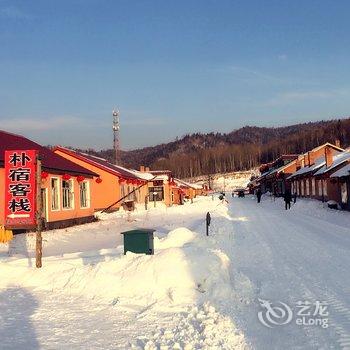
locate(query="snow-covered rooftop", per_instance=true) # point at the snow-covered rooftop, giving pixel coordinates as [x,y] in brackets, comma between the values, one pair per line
[187,184]
[308,169]
[337,160]
[343,171]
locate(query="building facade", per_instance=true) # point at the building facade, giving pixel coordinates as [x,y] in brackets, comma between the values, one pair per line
[65,186]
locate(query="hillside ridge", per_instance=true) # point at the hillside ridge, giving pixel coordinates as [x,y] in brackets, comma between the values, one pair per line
[241,149]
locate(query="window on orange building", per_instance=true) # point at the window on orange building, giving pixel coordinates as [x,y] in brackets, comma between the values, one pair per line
[84,194]
[156,193]
[67,194]
[55,194]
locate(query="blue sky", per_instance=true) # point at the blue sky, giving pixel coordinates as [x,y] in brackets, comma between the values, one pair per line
[171,67]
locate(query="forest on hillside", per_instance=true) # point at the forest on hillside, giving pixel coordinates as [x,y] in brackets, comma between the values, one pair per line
[241,149]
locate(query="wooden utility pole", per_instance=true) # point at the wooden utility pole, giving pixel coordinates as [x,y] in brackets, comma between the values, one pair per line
[146,202]
[39,240]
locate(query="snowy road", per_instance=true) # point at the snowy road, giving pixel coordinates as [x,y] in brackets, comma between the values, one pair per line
[196,292]
[290,256]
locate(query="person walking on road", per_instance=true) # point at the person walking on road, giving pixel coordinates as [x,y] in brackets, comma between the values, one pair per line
[258,195]
[287,198]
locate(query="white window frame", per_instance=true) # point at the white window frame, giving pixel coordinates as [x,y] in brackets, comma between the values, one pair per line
[344,192]
[87,194]
[70,181]
[319,186]
[58,193]
[324,186]
[307,185]
[46,208]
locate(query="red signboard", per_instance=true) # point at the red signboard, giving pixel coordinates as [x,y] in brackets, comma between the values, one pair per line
[20,188]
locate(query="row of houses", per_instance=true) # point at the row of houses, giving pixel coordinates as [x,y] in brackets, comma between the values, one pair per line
[75,185]
[322,173]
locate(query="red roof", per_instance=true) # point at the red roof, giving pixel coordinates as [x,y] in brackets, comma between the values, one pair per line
[100,163]
[51,161]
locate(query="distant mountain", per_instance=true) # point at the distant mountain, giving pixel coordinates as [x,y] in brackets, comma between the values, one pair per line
[241,149]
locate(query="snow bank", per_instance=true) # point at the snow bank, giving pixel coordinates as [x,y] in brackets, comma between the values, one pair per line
[187,275]
[182,270]
[176,238]
[199,328]
[314,208]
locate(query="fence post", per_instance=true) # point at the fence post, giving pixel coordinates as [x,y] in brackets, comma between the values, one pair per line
[39,240]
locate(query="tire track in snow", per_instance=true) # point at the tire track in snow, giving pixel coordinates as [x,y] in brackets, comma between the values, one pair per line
[341,323]
[297,250]
[312,292]
[250,254]
[285,262]
[339,313]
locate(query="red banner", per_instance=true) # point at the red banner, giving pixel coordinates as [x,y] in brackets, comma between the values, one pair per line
[20,188]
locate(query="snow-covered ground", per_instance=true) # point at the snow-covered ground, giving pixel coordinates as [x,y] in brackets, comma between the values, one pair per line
[226,181]
[231,182]
[196,292]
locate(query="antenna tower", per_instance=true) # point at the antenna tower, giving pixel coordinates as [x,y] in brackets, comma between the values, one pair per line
[116,141]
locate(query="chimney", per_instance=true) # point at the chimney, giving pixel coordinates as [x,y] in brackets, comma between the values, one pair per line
[328,155]
[298,164]
[142,168]
[337,143]
[311,158]
[306,160]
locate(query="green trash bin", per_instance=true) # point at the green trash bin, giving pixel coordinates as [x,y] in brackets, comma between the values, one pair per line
[139,241]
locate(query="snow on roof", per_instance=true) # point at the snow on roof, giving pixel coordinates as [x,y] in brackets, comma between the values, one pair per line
[266,173]
[143,175]
[308,169]
[343,171]
[282,167]
[327,144]
[194,186]
[337,160]
[180,183]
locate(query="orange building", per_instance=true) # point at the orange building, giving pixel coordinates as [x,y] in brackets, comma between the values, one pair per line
[116,183]
[160,186]
[331,175]
[274,174]
[65,188]
[188,189]
[341,176]
[303,182]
